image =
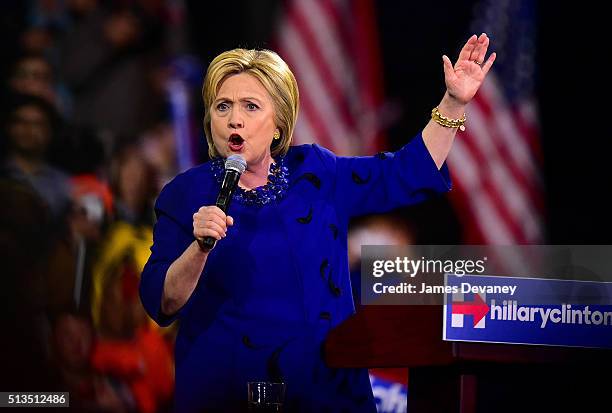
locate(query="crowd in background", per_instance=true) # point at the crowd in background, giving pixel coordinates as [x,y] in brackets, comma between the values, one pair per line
[87,141]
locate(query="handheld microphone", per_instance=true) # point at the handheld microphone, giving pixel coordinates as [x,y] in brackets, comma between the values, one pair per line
[235,165]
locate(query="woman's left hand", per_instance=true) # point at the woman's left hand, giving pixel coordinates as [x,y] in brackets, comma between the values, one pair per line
[464,79]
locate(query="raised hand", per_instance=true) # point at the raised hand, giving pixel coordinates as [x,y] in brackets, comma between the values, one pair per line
[465,77]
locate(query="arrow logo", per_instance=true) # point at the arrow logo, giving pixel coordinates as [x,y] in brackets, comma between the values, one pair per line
[477,308]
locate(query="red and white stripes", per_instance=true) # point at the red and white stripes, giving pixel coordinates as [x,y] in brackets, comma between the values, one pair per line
[339,94]
[496,170]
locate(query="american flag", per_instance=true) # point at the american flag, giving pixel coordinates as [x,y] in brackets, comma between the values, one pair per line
[495,163]
[332,48]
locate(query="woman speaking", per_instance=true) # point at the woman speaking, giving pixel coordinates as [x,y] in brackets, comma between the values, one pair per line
[258,306]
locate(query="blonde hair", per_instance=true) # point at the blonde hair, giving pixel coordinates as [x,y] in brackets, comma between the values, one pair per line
[276,77]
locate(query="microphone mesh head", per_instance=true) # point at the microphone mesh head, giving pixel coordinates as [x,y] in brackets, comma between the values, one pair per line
[236,163]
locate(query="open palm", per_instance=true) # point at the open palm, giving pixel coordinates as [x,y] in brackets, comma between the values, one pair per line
[465,77]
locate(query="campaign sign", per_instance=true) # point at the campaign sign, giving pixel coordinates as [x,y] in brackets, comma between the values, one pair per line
[514,310]
[390,397]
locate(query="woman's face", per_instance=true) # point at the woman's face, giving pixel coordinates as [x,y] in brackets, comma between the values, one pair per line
[242,119]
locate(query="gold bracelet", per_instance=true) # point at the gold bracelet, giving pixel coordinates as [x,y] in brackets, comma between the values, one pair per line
[448,122]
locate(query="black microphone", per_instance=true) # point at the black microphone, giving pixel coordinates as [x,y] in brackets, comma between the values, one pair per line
[234,167]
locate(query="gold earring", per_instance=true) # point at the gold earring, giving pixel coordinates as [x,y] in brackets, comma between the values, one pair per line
[276,135]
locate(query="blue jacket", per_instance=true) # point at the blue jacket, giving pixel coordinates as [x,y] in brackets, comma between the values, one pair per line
[275,286]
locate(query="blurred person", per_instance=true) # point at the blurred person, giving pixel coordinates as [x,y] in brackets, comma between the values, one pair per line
[75,215]
[32,74]
[144,364]
[390,229]
[128,238]
[28,127]
[134,184]
[106,56]
[377,230]
[81,152]
[128,347]
[73,345]
[159,149]
[24,221]
[37,64]
[94,201]
[374,230]
[121,257]
[259,305]
[70,266]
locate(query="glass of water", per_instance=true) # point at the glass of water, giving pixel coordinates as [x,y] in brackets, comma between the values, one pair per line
[264,396]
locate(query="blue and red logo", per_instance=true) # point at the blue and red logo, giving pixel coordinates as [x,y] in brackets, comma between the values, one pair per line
[477,309]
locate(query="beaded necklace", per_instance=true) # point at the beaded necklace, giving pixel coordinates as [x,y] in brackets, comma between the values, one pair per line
[273,190]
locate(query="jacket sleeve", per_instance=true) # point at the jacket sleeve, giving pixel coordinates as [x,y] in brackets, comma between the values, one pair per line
[170,239]
[376,184]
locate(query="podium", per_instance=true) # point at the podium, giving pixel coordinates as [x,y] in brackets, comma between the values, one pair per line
[470,377]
